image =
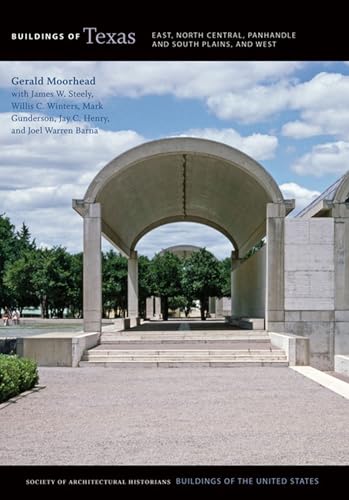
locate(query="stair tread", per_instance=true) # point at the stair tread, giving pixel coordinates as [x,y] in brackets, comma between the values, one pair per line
[176,348]
[191,363]
[183,351]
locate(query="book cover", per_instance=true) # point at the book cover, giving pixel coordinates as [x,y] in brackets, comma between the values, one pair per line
[142,141]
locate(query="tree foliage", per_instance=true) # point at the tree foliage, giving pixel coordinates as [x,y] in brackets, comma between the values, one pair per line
[18,280]
[202,278]
[7,249]
[166,278]
[53,278]
[114,287]
[144,283]
[24,241]
[75,292]
[225,265]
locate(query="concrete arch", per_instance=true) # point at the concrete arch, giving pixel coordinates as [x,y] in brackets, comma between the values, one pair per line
[169,220]
[177,145]
[183,179]
[180,179]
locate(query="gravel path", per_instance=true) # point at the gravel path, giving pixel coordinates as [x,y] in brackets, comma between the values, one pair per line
[239,416]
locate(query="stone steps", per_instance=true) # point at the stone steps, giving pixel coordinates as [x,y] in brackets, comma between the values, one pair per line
[185,348]
[168,338]
[182,357]
[262,343]
[183,352]
[198,363]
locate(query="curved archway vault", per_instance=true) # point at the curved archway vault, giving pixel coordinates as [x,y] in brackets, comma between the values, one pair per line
[171,180]
[183,179]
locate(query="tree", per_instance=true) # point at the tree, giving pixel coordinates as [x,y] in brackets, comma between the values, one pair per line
[181,302]
[166,277]
[202,278]
[144,283]
[18,280]
[16,265]
[52,280]
[7,251]
[75,292]
[114,287]
[226,277]
[24,242]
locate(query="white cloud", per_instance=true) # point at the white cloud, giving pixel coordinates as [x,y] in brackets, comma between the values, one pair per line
[325,90]
[51,226]
[40,174]
[323,103]
[331,121]
[300,130]
[247,91]
[49,160]
[329,158]
[37,197]
[251,105]
[259,146]
[302,195]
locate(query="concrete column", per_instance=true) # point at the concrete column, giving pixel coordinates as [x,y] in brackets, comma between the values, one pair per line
[340,213]
[235,263]
[132,286]
[149,307]
[219,307]
[212,305]
[275,292]
[157,307]
[92,273]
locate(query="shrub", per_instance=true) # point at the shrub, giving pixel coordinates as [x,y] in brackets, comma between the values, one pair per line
[16,375]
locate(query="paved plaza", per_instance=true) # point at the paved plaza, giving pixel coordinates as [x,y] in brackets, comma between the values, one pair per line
[146,416]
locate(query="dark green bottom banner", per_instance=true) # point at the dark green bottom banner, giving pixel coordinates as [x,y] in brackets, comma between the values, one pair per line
[307,480]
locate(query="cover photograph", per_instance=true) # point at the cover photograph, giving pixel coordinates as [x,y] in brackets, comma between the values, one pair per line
[174,261]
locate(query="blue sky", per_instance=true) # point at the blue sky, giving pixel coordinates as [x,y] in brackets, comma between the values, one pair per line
[292,117]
